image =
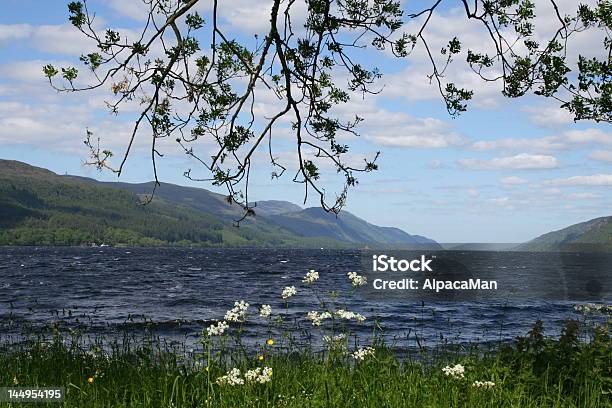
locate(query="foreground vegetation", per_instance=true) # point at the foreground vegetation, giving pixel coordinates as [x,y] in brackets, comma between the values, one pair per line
[532,372]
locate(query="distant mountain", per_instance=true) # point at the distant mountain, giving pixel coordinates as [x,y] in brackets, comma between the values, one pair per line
[39,207]
[595,234]
[484,246]
[315,222]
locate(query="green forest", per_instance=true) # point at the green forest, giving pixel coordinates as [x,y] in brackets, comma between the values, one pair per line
[41,212]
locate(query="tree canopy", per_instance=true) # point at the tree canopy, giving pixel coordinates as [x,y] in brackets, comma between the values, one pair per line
[193,80]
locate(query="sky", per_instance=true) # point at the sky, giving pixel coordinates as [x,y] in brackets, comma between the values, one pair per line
[507,170]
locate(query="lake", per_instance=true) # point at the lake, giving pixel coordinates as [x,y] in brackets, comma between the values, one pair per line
[180,291]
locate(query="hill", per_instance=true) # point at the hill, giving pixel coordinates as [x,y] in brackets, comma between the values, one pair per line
[39,207]
[595,234]
[315,222]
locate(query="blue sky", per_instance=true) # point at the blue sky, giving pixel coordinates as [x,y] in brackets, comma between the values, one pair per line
[505,171]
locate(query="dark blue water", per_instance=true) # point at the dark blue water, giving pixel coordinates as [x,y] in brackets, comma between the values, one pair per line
[180,291]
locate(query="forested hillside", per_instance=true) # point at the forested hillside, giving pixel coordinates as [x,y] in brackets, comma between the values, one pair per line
[38,207]
[595,234]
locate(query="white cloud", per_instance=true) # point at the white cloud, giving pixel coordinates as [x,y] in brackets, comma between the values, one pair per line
[26,71]
[51,126]
[513,181]
[60,39]
[413,85]
[565,140]
[521,161]
[398,129]
[549,116]
[247,15]
[134,9]
[62,127]
[251,16]
[602,155]
[420,133]
[592,180]
[583,136]
[411,139]
[511,144]
[10,32]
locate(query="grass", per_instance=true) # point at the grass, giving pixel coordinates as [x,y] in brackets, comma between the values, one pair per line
[571,371]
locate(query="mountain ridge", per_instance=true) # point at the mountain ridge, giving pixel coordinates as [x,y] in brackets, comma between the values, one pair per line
[64,209]
[594,234]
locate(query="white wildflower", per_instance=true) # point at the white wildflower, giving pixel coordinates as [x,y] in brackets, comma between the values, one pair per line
[238,312]
[483,384]
[357,280]
[217,329]
[288,291]
[334,339]
[266,374]
[344,314]
[589,308]
[317,318]
[265,310]
[251,375]
[456,371]
[337,342]
[347,315]
[362,353]
[259,375]
[311,276]
[231,378]
[582,308]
